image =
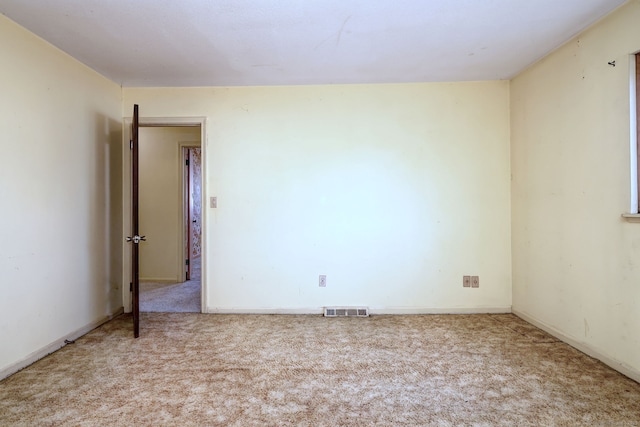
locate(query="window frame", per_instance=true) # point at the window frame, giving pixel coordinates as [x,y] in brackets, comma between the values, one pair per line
[634,136]
[635,129]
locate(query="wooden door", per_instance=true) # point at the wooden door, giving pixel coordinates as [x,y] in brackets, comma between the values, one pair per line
[135,238]
[189,204]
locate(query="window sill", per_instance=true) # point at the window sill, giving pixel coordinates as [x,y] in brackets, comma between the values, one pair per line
[631,217]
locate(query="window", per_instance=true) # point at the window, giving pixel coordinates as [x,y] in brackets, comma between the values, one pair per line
[634,120]
[635,129]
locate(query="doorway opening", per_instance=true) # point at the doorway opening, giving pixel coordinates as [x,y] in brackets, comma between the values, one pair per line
[170,191]
[176,195]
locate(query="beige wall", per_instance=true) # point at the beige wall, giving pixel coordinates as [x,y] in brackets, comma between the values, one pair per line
[393,191]
[576,262]
[60,190]
[161,206]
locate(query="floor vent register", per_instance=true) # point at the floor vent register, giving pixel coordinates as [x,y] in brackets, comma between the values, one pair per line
[346,312]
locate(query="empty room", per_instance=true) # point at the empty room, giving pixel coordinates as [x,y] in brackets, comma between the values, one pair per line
[409,213]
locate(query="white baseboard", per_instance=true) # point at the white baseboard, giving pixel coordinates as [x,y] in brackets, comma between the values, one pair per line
[587,349]
[216,310]
[163,280]
[372,310]
[432,310]
[55,345]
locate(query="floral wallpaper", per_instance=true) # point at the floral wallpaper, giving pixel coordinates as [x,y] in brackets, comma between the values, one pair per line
[196,198]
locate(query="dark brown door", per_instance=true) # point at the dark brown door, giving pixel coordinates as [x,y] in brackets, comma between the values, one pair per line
[189,203]
[135,226]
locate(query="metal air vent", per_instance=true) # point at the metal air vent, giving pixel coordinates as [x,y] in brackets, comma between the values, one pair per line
[346,312]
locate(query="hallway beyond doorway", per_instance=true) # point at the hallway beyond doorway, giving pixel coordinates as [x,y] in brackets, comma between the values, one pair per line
[173,297]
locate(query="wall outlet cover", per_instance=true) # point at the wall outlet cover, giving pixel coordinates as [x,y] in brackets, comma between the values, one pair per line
[475,281]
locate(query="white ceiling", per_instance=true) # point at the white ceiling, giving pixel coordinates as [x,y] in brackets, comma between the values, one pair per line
[283,42]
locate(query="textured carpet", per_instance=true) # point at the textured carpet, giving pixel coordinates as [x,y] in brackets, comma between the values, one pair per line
[174,297]
[170,298]
[244,370]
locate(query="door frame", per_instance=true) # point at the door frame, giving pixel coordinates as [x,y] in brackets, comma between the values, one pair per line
[126,199]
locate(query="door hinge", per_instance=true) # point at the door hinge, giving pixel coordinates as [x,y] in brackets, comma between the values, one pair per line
[131,144]
[186,262]
[187,162]
[130,286]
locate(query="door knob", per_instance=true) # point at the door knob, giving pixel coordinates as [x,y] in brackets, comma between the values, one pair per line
[136,239]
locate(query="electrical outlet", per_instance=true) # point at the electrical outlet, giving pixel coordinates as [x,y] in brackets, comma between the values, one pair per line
[466,281]
[475,281]
[322,281]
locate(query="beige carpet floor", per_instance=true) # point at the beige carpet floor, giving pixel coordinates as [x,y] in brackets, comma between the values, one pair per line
[170,297]
[262,370]
[173,297]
